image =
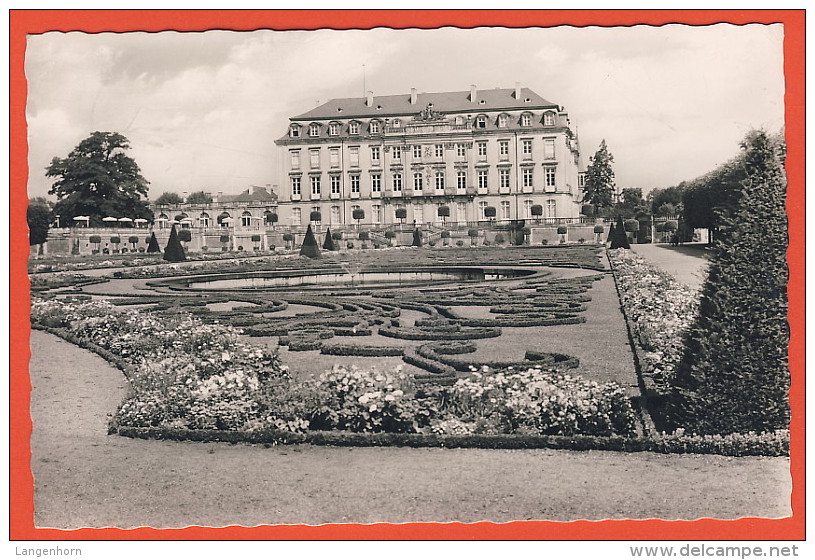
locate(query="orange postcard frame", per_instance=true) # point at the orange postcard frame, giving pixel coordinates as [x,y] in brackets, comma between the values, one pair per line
[25,22]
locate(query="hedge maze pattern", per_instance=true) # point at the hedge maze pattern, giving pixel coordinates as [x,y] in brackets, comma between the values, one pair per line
[438,343]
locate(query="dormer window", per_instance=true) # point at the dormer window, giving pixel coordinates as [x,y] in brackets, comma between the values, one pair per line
[333,129]
[353,128]
[294,131]
[526,119]
[374,127]
[459,120]
[502,121]
[481,121]
[314,130]
[549,119]
[396,123]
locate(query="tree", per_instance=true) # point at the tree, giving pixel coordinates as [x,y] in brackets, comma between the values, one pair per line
[310,248]
[401,214]
[490,212]
[328,243]
[133,240]
[199,197]
[185,236]
[99,179]
[358,214]
[169,198]
[599,189]
[444,213]
[39,222]
[536,211]
[598,231]
[619,239]
[152,245]
[734,376]
[174,252]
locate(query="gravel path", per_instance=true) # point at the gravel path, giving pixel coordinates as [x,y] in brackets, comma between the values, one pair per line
[687,263]
[85,478]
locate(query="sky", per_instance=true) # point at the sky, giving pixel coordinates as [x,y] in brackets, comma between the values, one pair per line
[202,110]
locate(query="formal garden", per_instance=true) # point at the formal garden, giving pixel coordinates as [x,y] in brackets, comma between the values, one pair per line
[453,346]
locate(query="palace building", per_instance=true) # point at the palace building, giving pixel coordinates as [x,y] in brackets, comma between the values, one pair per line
[424,158]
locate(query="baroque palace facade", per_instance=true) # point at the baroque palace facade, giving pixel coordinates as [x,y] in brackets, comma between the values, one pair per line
[501,154]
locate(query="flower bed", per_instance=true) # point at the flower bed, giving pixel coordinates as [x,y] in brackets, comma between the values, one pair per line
[659,310]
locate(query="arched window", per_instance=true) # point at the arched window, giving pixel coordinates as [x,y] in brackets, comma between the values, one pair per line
[203,220]
[224,219]
[246,219]
[162,220]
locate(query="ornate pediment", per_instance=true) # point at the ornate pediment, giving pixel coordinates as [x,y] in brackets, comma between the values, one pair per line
[428,114]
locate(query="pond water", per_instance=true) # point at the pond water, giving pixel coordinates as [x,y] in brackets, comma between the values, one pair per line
[352,278]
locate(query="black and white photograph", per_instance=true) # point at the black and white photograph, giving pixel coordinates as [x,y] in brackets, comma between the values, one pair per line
[408,276]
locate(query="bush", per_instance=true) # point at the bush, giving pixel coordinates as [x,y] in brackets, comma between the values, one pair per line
[670,226]
[598,229]
[581,240]
[364,236]
[499,239]
[255,238]
[562,230]
[95,239]
[174,252]
[310,248]
[337,236]
[631,226]
[224,239]
[472,233]
[445,234]
[734,375]
[619,240]
[459,243]
[185,235]
[115,239]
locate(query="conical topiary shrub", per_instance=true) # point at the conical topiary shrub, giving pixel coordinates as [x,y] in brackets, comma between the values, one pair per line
[174,252]
[610,234]
[417,238]
[734,375]
[620,239]
[310,248]
[329,244]
[152,245]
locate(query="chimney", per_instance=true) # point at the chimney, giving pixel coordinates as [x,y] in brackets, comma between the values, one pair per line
[517,90]
[473,94]
[413,96]
[184,196]
[369,98]
[220,196]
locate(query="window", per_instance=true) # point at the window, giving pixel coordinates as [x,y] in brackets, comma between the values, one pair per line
[314,156]
[295,158]
[505,210]
[526,119]
[294,131]
[549,119]
[527,177]
[502,121]
[315,185]
[335,183]
[246,219]
[333,129]
[526,148]
[417,152]
[439,180]
[315,210]
[527,209]
[418,181]
[459,120]
[376,182]
[482,179]
[503,148]
[353,128]
[481,121]
[397,182]
[581,180]
[354,183]
[482,149]
[334,157]
[482,209]
[397,152]
[551,208]
[461,150]
[353,156]
[548,148]
[549,176]
[461,180]
[334,216]
[418,213]
[503,178]
[461,212]
[396,123]
[439,150]
[296,216]
[376,155]
[374,127]
[314,130]
[295,186]
[376,211]
[203,220]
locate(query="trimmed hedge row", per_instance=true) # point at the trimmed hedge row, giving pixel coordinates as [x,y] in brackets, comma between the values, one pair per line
[773,445]
[361,350]
[421,334]
[439,353]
